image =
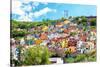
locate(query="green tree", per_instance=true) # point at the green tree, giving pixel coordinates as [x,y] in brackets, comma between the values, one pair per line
[93,22]
[36,55]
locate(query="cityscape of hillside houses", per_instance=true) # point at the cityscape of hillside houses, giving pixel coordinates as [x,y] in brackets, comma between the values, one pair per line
[68,38]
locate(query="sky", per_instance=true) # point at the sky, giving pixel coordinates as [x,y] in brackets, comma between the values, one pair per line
[29,10]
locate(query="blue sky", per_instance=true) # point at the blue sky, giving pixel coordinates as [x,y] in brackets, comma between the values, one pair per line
[37,11]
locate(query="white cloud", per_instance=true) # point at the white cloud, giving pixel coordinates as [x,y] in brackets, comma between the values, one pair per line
[24,18]
[45,3]
[27,1]
[19,10]
[35,3]
[43,11]
[27,8]
[16,4]
[16,7]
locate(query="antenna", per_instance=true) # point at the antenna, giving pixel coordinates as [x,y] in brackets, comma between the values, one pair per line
[66,13]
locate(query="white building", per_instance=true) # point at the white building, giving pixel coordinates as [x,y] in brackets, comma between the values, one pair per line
[56,60]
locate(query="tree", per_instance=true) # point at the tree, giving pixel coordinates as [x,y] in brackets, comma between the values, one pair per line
[36,55]
[56,52]
[93,22]
[62,19]
[20,33]
[80,58]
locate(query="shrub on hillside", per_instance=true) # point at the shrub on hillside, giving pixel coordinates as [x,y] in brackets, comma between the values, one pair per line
[36,55]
